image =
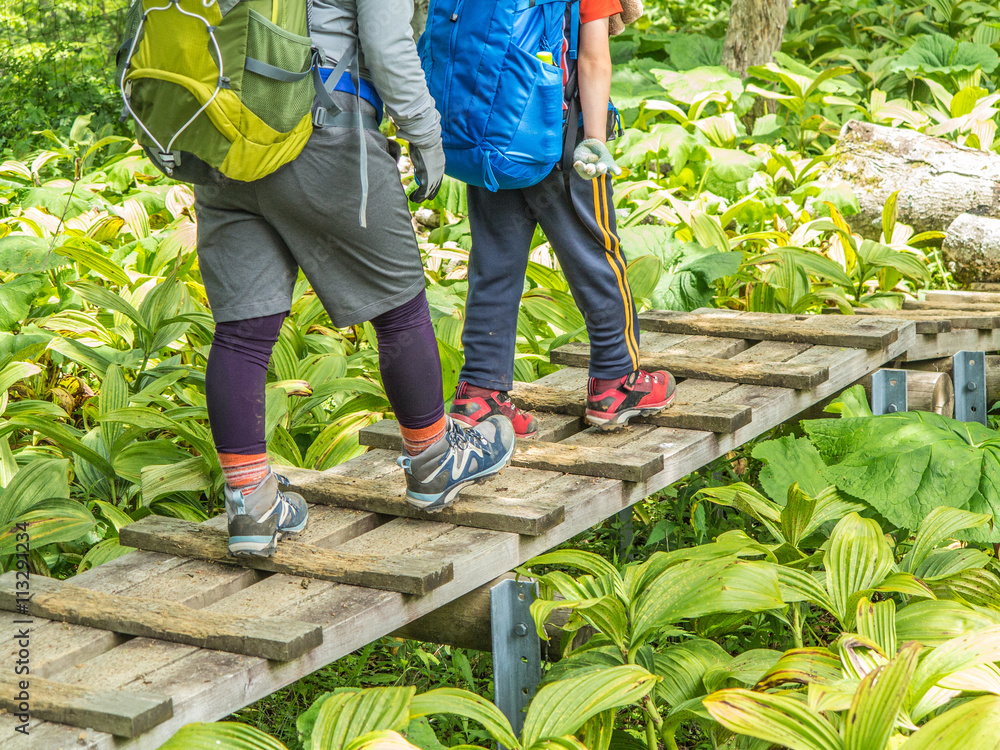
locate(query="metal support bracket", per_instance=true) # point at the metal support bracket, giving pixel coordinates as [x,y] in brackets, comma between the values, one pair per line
[969,371]
[888,391]
[517,653]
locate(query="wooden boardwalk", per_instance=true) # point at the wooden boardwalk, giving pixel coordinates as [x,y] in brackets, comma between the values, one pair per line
[368,564]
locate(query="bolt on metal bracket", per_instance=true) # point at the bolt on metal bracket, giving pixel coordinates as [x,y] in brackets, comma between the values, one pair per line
[969,371]
[888,391]
[517,651]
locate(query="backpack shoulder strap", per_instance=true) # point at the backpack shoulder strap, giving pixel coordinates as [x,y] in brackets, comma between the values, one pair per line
[574,28]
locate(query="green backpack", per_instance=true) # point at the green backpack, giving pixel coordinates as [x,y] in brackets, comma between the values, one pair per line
[219,86]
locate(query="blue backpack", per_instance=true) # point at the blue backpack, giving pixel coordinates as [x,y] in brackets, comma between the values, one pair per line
[493,70]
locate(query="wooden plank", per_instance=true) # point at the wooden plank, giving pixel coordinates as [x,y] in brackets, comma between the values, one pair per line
[627,466]
[683,365]
[477,506]
[281,639]
[702,416]
[953,318]
[209,684]
[946,306]
[952,296]
[812,329]
[947,344]
[186,539]
[125,713]
[925,326]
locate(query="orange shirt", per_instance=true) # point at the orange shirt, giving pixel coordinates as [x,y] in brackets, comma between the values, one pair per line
[595,10]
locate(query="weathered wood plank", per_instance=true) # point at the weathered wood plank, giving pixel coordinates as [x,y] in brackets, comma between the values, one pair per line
[477,506]
[925,326]
[532,454]
[186,539]
[947,344]
[702,416]
[281,639]
[954,318]
[683,365]
[946,306]
[211,684]
[949,296]
[811,329]
[125,713]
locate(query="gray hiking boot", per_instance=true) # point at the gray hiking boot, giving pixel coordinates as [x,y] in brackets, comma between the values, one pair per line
[463,456]
[259,519]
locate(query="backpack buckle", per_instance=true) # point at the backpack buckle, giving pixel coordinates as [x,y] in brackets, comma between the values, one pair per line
[319,117]
[168,161]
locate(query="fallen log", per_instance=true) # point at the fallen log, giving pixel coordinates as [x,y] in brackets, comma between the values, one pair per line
[937,180]
[972,248]
[945,365]
[465,623]
[925,391]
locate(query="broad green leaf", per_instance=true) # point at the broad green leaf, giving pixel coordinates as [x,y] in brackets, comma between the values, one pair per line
[471,706]
[859,559]
[64,437]
[561,708]
[802,666]
[937,527]
[57,519]
[380,740]
[15,371]
[746,668]
[801,586]
[956,655]
[682,667]
[788,460]
[970,725]
[588,562]
[221,734]
[877,621]
[784,721]
[872,716]
[693,85]
[102,552]
[157,481]
[102,298]
[86,252]
[907,464]
[40,480]
[340,721]
[697,588]
[933,623]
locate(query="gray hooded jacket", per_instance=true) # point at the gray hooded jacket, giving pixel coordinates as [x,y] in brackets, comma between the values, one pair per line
[388,59]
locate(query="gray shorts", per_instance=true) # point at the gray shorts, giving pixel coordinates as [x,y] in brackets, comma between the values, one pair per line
[254,236]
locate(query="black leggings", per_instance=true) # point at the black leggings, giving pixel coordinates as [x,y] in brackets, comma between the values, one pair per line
[236,375]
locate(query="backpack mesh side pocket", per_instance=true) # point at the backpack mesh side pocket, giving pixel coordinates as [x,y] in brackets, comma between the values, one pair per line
[280,104]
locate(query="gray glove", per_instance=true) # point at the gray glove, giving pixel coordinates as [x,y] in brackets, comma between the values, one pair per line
[429,167]
[592,159]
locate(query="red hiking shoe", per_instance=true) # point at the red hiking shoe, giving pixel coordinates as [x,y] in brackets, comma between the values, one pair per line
[473,409]
[640,392]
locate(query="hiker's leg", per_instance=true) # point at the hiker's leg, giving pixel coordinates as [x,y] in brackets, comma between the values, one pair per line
[502,227]
[406,346]
[579,220]
[234,392]
[249,275]
[364,273]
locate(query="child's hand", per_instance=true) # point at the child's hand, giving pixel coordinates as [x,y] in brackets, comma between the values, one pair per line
[592,159]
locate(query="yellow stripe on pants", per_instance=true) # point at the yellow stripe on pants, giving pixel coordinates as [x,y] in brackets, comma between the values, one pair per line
[601,216]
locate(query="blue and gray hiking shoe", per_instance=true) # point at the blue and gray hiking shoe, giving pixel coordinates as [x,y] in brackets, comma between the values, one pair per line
[257,520]
[463,456]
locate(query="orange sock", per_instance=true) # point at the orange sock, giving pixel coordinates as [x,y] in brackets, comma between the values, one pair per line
[244,472]
[419,440]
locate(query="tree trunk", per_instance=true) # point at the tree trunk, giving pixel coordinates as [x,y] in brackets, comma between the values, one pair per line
[754,33]
[937,180]
[419,19]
